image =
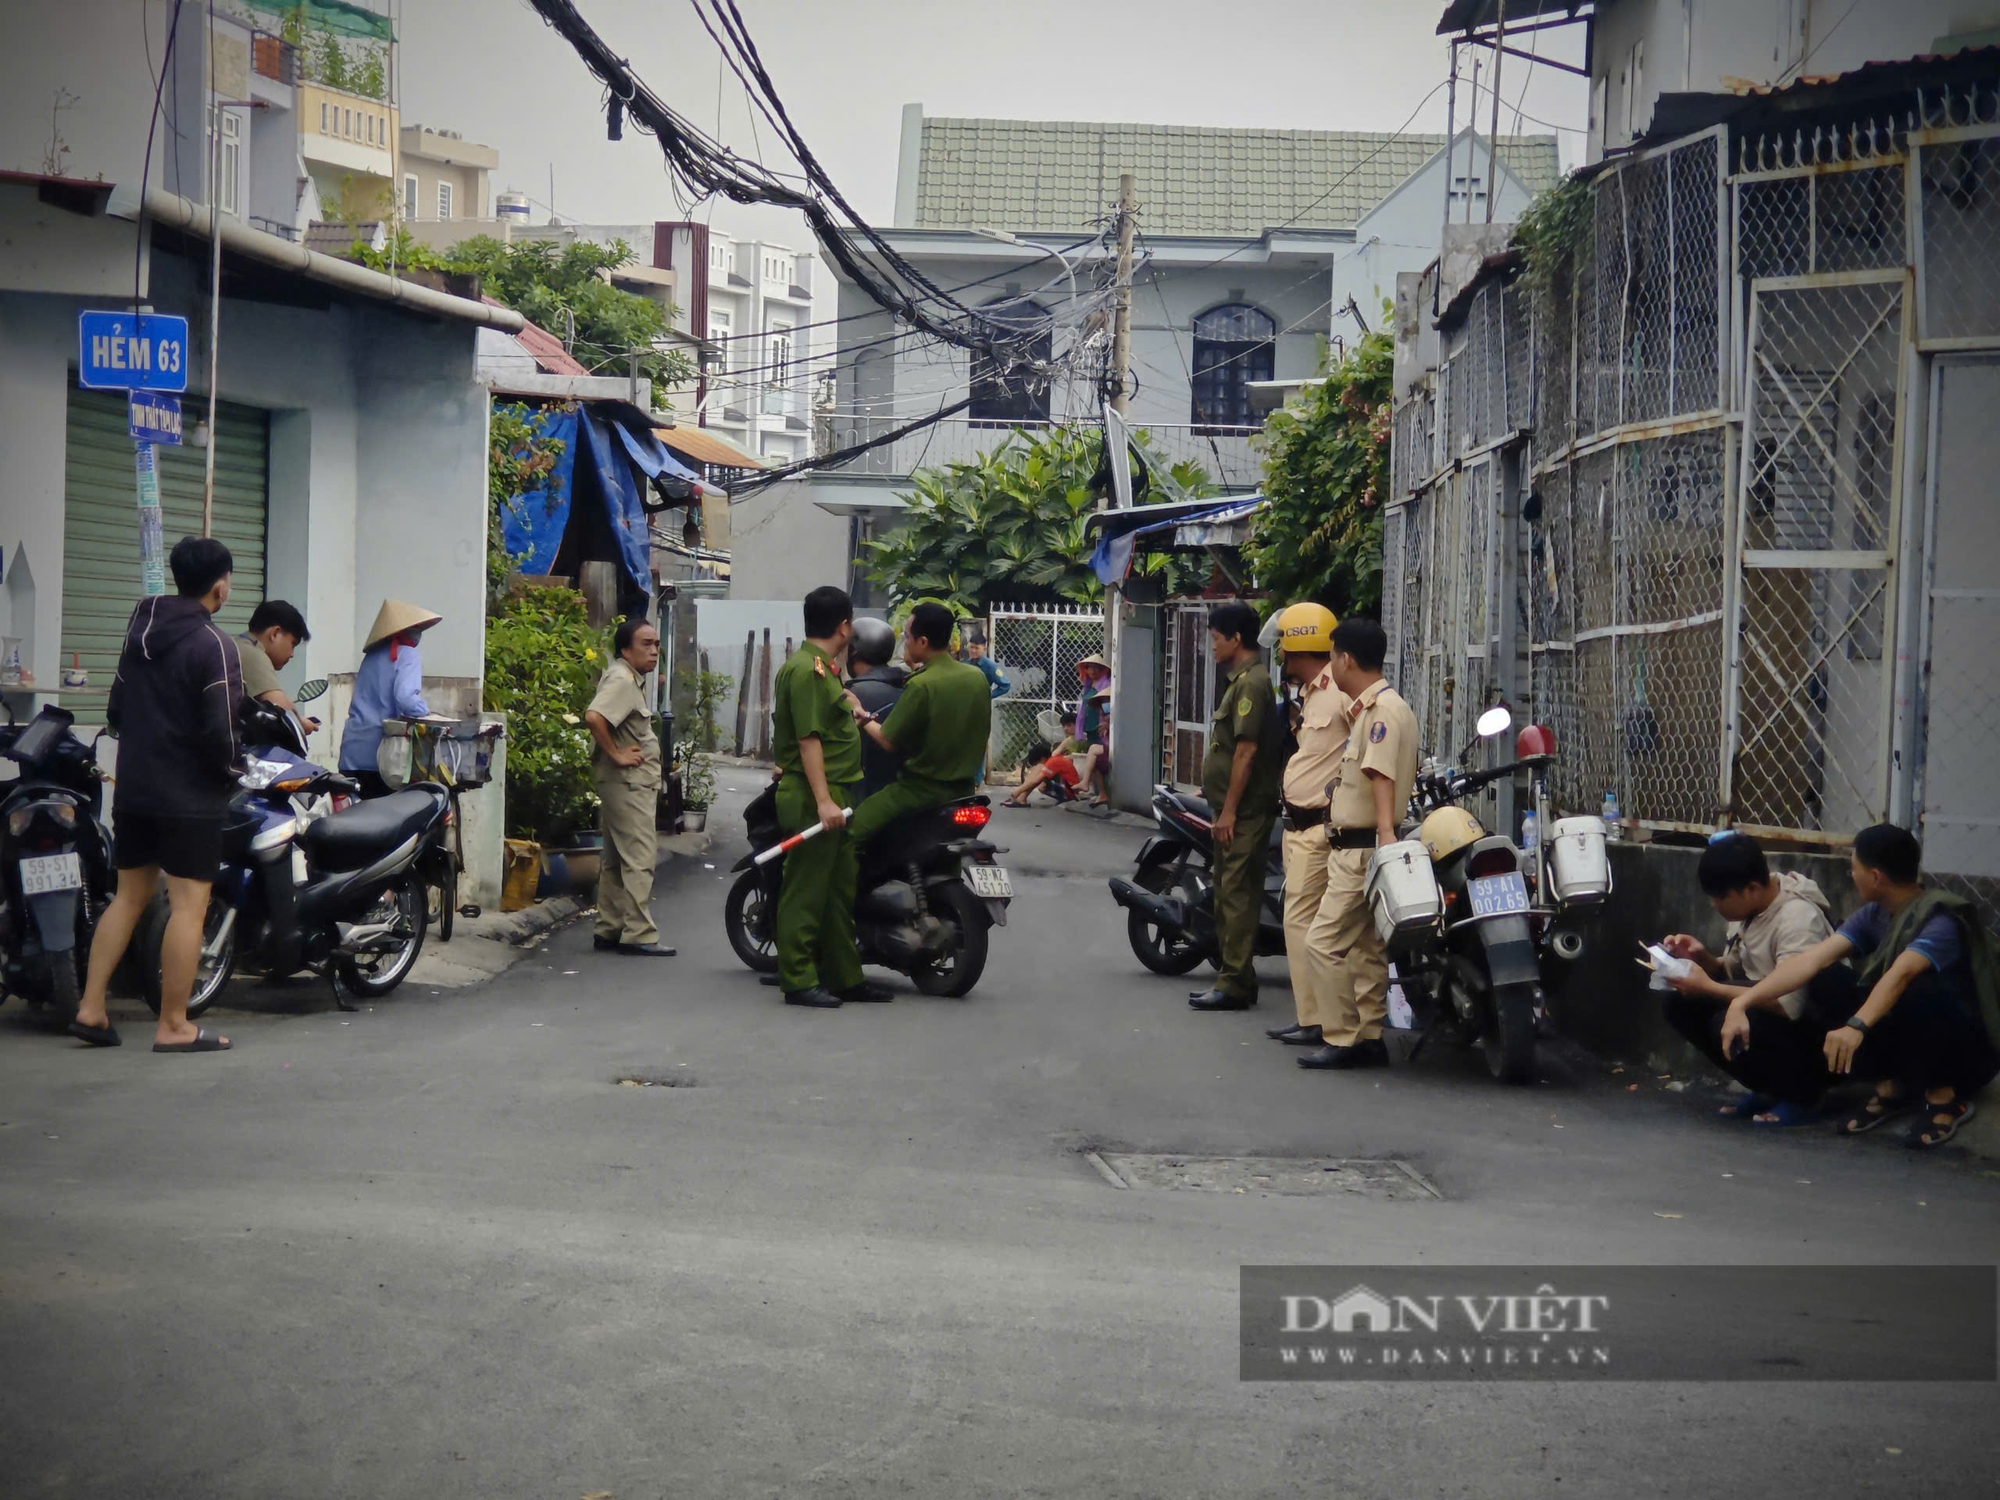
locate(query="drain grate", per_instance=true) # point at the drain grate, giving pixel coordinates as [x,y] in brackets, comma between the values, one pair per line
[1286,1176]
[657,1081]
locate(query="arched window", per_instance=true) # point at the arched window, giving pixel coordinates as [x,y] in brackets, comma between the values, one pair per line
[1233,345]
[1010,397]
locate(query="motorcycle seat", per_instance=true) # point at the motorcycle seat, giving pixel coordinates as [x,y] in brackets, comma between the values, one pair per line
[1195,805]
[349,839]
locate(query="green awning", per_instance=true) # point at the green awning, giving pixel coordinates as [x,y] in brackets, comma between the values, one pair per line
[337,16]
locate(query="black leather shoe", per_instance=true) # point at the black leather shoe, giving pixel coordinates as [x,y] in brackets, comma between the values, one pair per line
[867,990]
[603,944]
[1305,1036]
[646,950]
[1218,1000]
[1284,1033]
[815,997]
[1369,1054]
[769,981]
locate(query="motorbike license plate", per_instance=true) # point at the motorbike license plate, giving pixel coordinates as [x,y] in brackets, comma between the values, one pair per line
[50,872]
[1498,895]
[990,882]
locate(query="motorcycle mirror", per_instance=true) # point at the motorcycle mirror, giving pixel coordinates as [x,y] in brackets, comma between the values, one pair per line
[1494,721]
[310,690]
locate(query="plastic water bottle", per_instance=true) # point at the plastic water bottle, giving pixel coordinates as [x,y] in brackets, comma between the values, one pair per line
[1531,833]
[1610,815]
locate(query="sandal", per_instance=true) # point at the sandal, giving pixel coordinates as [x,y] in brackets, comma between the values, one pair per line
[98,1036]
[1938,1123]
[1876,1110]
[204,1041]
[1785,1115]
[1749,1106]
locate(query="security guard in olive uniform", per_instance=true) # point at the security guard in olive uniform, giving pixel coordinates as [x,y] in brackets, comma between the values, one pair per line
[1305,641]
[939,726]
[625,765]
[1239,777]
[1371,789]
[818,751]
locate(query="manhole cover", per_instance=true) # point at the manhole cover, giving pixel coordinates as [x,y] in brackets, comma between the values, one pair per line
[657,1081]
[1287,1176]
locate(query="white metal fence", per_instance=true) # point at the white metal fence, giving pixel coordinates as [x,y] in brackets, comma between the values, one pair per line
[1716,507]
[1037,648]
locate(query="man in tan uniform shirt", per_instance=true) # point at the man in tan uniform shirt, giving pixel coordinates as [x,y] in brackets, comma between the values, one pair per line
[626,768]
[1371,791]
[1305,636]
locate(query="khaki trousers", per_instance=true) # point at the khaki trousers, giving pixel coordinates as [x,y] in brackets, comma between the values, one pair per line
[1305,885]
[631,848]
[1357,996]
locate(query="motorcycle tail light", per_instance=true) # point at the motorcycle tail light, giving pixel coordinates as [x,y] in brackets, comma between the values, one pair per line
[17,821]
[1494,862]
[972,817]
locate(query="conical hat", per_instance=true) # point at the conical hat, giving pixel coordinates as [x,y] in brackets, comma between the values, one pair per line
[395,617]
[1094,660]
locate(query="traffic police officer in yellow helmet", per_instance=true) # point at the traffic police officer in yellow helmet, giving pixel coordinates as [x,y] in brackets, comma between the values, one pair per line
[1304,635]
[1373,776]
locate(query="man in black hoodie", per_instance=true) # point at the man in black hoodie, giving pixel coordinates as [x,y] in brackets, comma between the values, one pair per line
[173,707]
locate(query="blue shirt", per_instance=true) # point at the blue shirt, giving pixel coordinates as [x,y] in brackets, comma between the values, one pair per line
[996,684]
[1938,941]
[383,689]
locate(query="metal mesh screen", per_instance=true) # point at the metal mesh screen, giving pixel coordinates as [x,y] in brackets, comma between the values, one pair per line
[1037,649]
[1961,188]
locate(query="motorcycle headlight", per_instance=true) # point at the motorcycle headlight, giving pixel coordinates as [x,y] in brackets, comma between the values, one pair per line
[276,836]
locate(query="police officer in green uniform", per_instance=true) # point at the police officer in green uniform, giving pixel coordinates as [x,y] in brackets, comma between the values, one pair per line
[818,751]
[939,726]
[1239,777]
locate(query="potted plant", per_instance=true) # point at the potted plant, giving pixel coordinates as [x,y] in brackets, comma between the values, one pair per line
[697,785]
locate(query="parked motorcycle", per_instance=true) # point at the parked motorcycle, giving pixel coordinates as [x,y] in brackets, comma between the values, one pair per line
[1454,906]
[928,893]
[345,894]
[55,861]
[1170,900]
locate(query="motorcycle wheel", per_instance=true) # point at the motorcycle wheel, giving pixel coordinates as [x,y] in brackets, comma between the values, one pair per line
[1152,946]
[371,975]
[957,975]
[447,896]
[750,917]
[56,985]
[1510,1044]
[212,971]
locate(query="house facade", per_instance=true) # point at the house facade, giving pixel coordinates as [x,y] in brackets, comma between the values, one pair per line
[442,177]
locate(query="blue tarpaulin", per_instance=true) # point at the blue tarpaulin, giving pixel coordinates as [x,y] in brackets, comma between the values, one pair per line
[532,527]
[623,510]
[1119,530]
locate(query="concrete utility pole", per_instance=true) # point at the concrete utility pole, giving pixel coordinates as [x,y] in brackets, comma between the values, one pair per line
[1493,136]
[1121,316]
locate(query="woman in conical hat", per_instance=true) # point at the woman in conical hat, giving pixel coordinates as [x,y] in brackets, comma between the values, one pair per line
[388,685]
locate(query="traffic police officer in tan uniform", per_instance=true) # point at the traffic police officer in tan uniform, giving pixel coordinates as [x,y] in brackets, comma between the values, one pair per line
[1239,777]
[625,765]
[1305,639]
[1371,789]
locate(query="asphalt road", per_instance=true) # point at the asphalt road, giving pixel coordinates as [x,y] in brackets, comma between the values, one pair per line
[436,1249]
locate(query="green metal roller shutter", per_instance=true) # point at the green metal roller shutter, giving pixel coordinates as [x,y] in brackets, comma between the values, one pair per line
[101,525]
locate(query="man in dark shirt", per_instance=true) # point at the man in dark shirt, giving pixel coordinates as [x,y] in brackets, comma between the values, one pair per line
[1239,777]
[1919,1004]
[876,682]
[939,726]
[173,707]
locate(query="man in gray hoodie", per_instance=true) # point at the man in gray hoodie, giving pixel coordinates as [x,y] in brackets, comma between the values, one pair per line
[1770,917]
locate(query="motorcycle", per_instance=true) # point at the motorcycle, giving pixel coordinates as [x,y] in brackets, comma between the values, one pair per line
[345,894]
[1477,930]
[929,892]
[1170,900]
[55,861]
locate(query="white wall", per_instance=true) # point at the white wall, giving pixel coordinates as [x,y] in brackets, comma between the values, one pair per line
[782,545]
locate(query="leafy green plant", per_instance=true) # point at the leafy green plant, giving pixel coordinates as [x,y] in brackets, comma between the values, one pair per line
[1554,230]
[518,465]
[1326,471]
[697,775]
[710,688]
[1011,525]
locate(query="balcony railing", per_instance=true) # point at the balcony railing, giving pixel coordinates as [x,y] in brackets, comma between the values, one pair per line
[274,58]
[1225,456]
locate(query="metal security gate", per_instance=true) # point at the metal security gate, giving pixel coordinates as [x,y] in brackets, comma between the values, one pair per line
[100,578]
[1036,647]
[1811,680]
[1189,701]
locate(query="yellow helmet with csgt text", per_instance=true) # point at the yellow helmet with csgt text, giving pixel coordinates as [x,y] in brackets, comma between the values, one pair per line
[1447,831]
[1306,629]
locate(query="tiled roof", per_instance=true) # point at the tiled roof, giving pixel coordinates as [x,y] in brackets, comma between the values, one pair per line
[1060,176]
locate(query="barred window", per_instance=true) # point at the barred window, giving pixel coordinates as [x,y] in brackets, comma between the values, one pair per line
[1233,345]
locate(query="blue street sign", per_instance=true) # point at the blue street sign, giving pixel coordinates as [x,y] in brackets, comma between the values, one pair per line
[119,351]
[156,418]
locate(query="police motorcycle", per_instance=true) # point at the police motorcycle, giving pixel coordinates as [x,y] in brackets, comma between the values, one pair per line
[311,881]
[55,861]
[929,892]
[1474,926]
[1170,900]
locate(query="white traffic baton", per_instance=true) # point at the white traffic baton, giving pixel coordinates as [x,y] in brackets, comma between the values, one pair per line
[786,846]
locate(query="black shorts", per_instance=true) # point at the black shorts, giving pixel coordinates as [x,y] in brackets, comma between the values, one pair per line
[187,848]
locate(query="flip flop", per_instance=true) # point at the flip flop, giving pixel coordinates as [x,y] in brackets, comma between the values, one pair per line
[1786,1115]
[98,1036]
[1749,1106]
[204,1041]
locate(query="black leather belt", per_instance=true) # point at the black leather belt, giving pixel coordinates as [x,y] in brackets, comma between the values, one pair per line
[1350,838]
[1302,819]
